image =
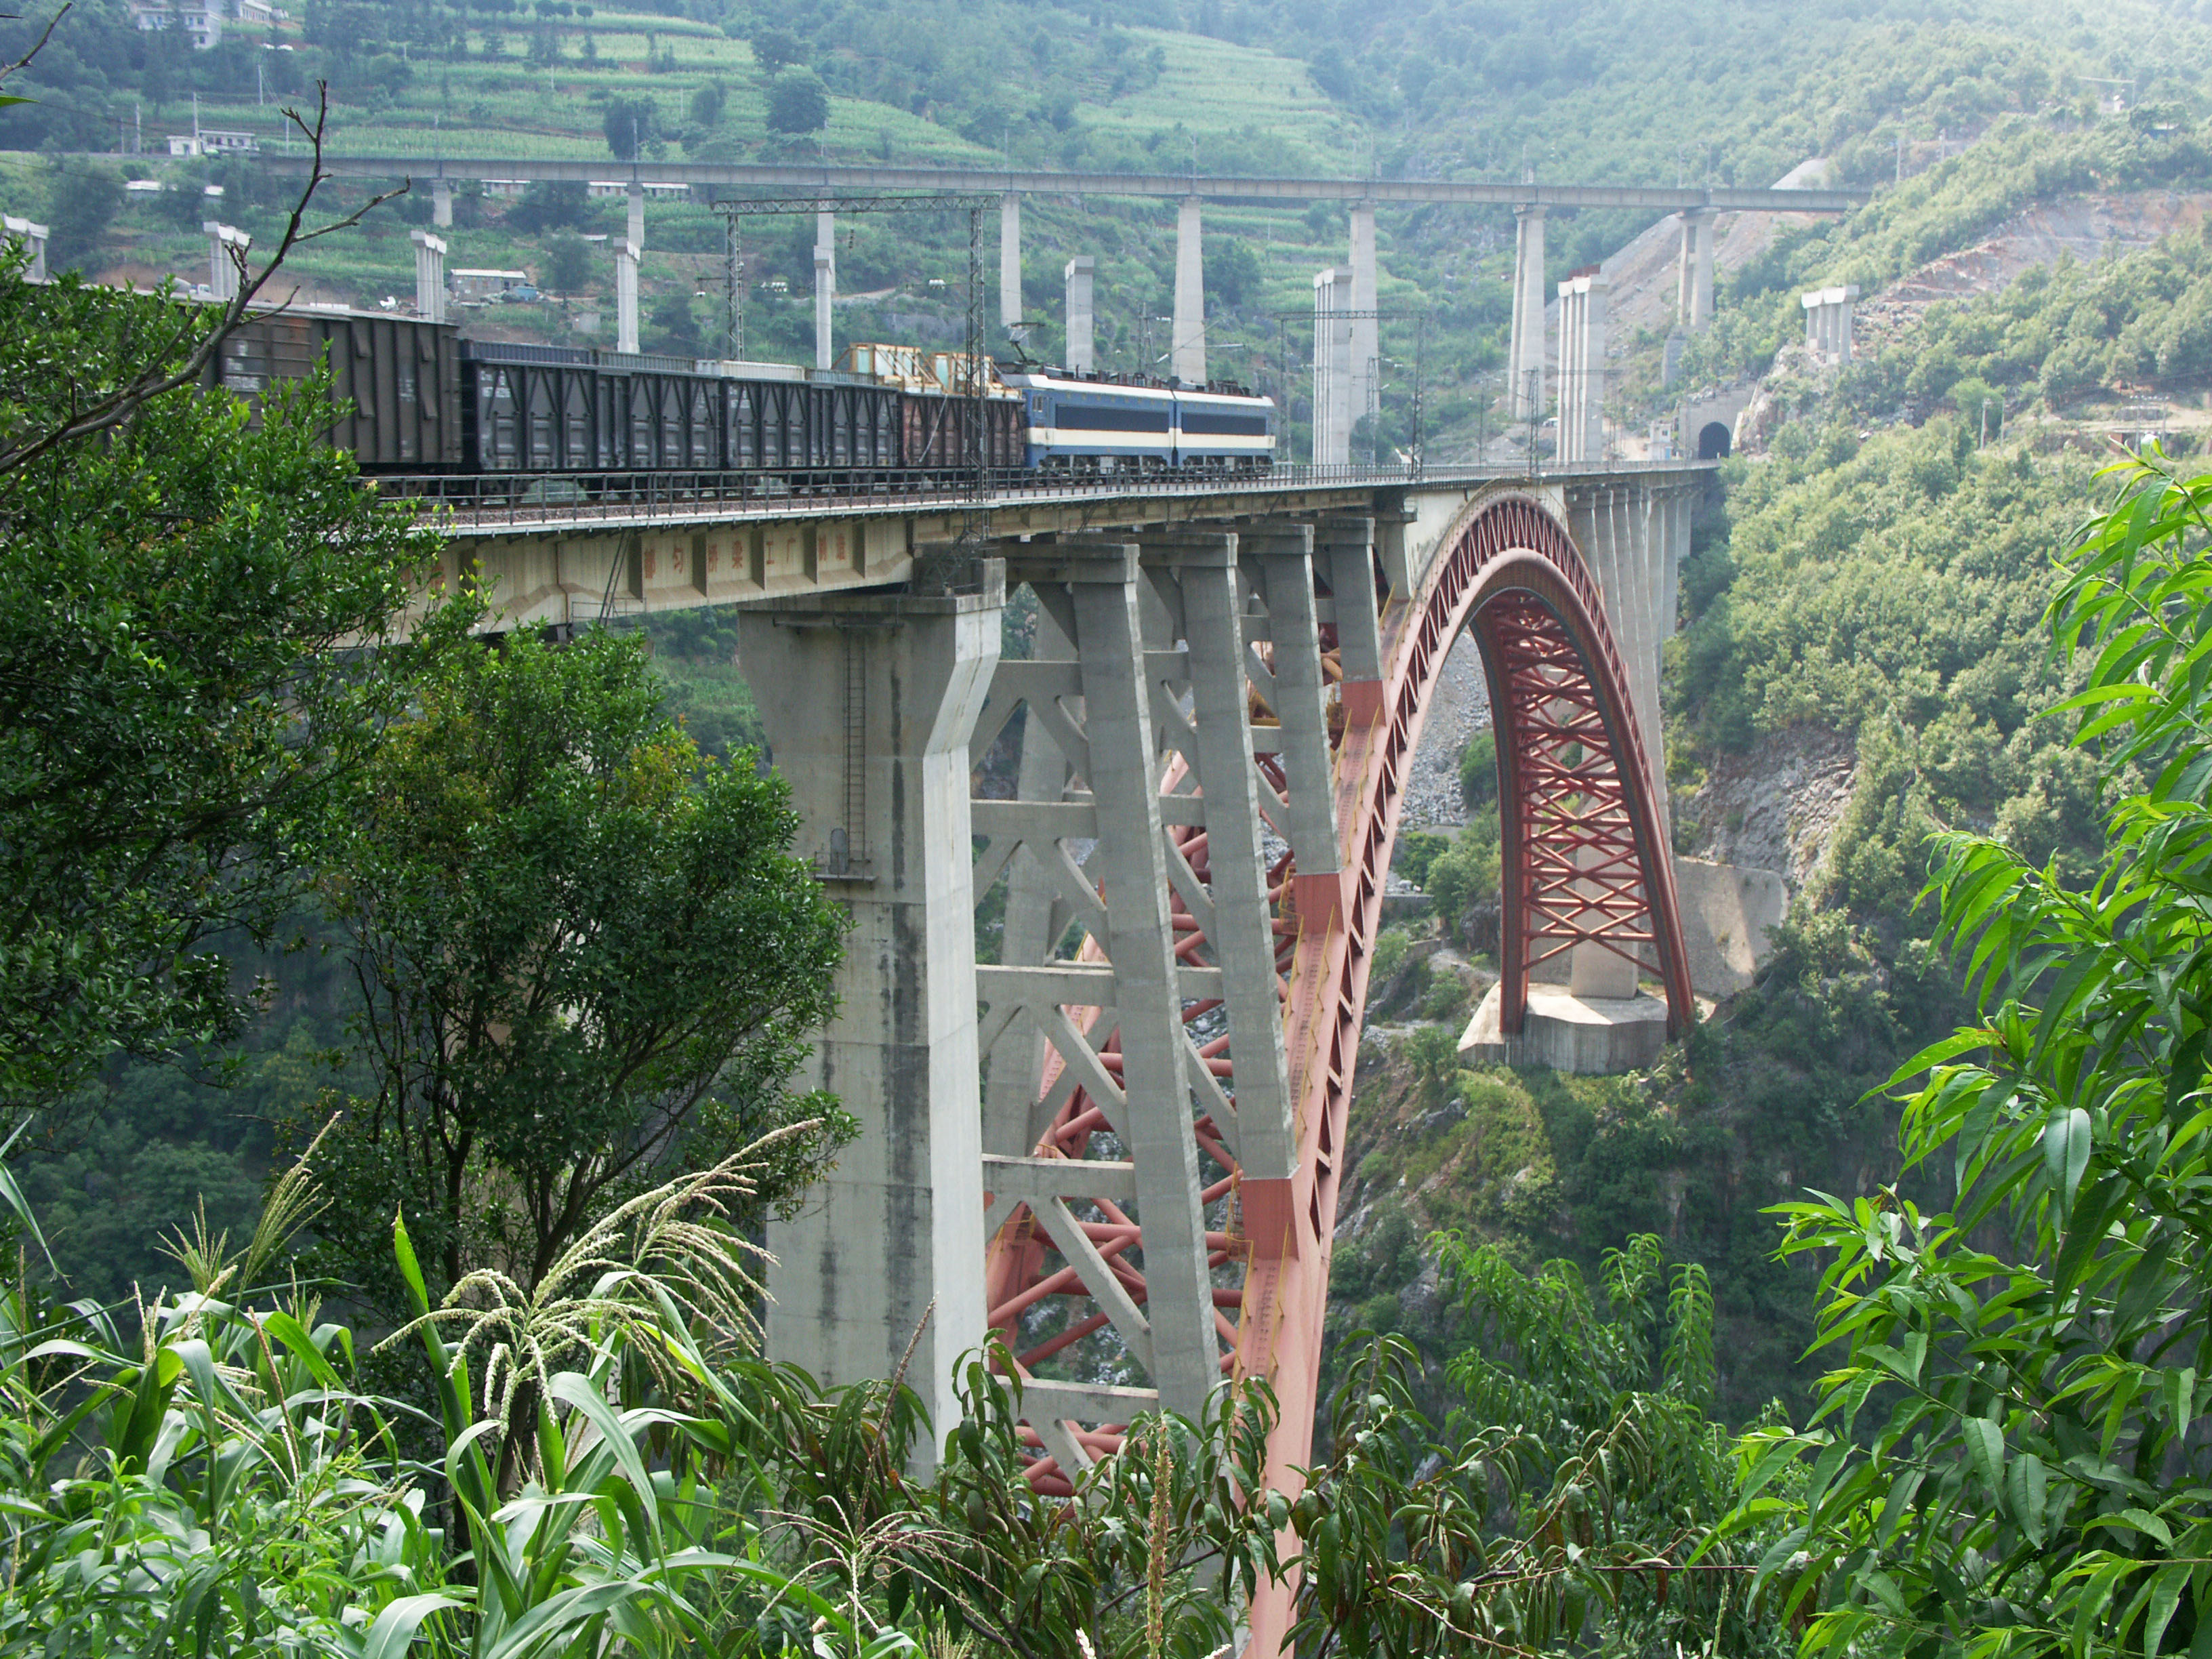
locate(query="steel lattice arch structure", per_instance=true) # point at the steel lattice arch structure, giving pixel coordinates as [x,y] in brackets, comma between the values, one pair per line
[1180,1190]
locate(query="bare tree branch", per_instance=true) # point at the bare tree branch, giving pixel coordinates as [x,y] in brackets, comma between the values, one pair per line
[36,46]
[118,405]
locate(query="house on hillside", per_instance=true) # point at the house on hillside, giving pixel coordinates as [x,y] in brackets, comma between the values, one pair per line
[202,20]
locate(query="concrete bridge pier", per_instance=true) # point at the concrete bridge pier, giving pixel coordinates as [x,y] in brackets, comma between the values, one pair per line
[1332,367]
[1524,356]
[1365,332]
[1828,323]
[1082,350]
[1010,259]
[441,204]
[826,288]
[1582,369]
[31,239]
[223,262]
[636,226]
[430,275]
[1187,359]
[626,256]
[868,700]
[1694,296]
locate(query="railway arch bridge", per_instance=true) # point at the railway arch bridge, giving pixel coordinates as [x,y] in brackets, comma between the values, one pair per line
[1116,1142]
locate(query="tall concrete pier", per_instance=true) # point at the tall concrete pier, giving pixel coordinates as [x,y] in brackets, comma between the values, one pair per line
[825,288]
[626,256]
[1694,293]
[1365,399]
[1582,368]
[1524,356]
[1010,259]
[869,699]
[1187,357]
[1082,346]
[1332,366]
[430,275]
[1828,323]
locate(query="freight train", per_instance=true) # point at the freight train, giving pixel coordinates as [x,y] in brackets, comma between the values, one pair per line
[416,399]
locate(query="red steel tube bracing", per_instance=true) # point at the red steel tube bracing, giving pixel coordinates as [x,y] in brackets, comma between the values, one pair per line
[1584,865]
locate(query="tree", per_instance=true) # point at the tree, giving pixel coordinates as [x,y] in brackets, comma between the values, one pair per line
[551,204]
[676,326]
[798,102]
[708,102]
[776,49]
[1234,271]
[628,125]
[2014,1457]
[567,263]
[1556,1512]
[587,957]
[81,198]
[178,709]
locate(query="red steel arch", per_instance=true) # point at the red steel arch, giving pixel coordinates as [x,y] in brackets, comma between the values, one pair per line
[1585,864]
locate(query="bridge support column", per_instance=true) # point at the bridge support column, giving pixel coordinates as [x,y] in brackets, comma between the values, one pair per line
[1634,535]
[1828,323]
[636,203]
[826,288]
[1187,363]
[430,275]
[1344,551]
[31,239]
[1582,370]
[1693,300]
[1365,333]
[441,205]
[1081,353]
[1197,575]
[1524,357]
[1283,563]
[868,700]
[1010,259]
[626,297]
[222,263]
[1332,375]
[1113,1015]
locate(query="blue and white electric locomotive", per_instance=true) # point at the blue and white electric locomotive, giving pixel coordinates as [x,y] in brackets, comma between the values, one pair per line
[1082,425]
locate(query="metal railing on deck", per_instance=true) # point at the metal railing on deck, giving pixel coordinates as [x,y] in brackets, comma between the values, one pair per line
[519,500]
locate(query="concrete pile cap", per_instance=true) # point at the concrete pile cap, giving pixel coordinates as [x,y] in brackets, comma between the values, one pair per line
[1829,296]
[423,238]
[229,235]
[15,227]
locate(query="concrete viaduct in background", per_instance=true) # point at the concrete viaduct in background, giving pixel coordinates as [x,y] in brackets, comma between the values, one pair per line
[1349,364]
[1119,1140]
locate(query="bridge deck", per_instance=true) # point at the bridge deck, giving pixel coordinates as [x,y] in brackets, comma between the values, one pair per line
[833,180]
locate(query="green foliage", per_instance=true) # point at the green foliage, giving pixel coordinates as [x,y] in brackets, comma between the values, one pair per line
[586,957]
[605,1467]
[629,122]
[1465,877]
[1529,1534]
[1388,955]
[676,325]
[179,718]
[81,198]
[1233,273]
[2013,1461]
[1477,770]
[1416,850]
[1888,591]
[776,49]
[798,103]
[567,265]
